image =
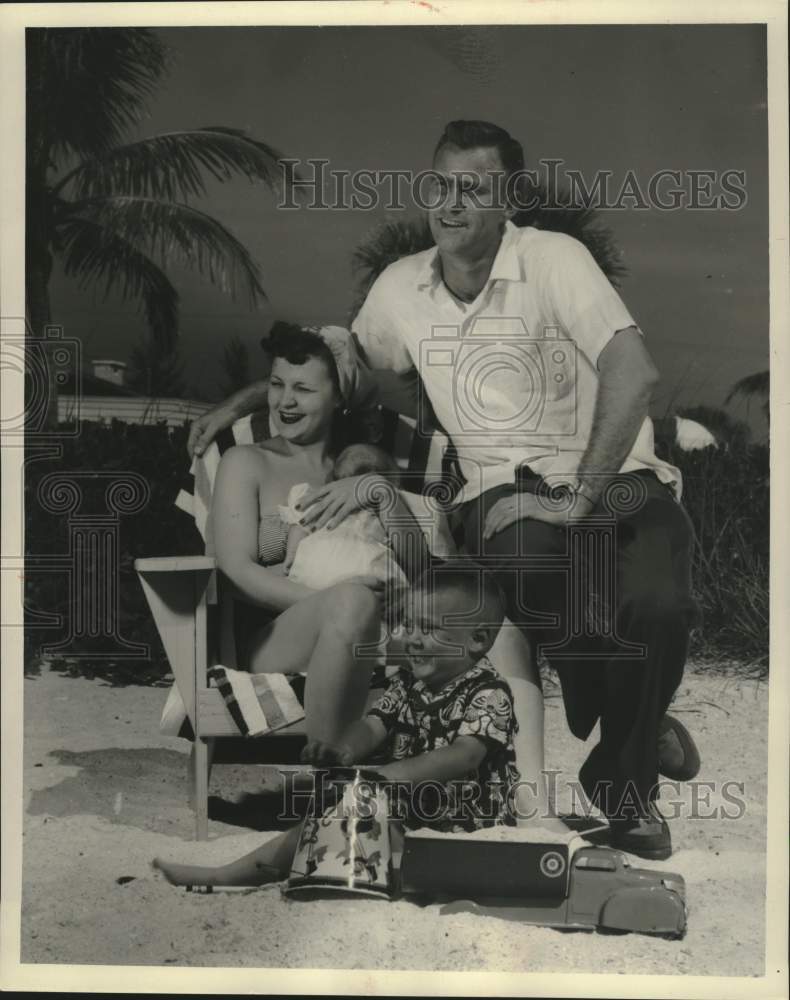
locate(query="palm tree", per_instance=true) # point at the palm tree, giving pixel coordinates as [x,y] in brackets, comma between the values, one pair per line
[580,222]
[116,214]
[393,240]
[387,243]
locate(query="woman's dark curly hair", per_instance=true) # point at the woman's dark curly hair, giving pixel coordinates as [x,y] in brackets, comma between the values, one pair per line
[296,346]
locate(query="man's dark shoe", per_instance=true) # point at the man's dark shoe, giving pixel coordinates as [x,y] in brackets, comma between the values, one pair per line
[678,757]
[647,837]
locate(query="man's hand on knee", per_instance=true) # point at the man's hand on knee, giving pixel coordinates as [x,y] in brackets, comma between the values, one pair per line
[519,506]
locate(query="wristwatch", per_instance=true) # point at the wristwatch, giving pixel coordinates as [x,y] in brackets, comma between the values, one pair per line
[582,489]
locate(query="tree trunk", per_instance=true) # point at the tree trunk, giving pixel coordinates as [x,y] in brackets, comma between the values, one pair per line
[38,319]
[38,269]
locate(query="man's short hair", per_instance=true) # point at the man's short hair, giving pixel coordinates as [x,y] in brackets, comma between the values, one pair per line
[473,134]
[479,593]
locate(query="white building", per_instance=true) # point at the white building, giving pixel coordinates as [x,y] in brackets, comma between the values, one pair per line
[102,396]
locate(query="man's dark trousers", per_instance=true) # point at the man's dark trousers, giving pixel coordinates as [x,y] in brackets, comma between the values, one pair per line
[614,625]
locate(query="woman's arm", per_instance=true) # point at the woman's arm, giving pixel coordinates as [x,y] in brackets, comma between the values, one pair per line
[235,513]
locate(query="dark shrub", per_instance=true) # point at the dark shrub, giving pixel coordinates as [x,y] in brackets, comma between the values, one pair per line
[727,494]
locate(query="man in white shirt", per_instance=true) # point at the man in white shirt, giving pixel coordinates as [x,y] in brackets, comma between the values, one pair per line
[536,370]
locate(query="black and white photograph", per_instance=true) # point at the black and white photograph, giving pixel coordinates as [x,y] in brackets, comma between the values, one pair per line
[394,590]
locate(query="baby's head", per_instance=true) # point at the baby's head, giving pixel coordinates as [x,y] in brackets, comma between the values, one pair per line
[361,459]
[451,619]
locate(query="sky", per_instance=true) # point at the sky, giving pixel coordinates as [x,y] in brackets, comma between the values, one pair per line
[599,98]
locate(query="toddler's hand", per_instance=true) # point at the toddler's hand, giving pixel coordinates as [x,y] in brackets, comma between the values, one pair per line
[321,754]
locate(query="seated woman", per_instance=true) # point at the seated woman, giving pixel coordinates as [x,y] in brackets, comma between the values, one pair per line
[294,627]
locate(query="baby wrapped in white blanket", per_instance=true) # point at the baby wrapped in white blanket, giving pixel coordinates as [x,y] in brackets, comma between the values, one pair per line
[357,546]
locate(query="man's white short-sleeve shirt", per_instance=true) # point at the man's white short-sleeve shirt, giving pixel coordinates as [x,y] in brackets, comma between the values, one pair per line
[511,376]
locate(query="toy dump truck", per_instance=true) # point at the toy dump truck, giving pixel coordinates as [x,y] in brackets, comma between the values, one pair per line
[571,884]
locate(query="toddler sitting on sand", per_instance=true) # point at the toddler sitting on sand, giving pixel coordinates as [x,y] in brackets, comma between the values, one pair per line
[446,719]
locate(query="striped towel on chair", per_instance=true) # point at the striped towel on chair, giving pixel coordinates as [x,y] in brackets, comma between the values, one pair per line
[194,496]
[258,703]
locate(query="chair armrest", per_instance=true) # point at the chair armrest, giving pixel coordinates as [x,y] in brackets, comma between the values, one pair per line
[177,590]
[175,564]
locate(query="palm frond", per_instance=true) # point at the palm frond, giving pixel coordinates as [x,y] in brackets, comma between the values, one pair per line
[388,243]
[90,252]
[552,212]
[87,86]
[383,246]
[173,166]
[177,233]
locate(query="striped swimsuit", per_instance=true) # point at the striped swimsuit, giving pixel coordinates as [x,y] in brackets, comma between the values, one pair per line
[272,539]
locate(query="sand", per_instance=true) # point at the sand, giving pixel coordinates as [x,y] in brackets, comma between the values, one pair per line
[105,793]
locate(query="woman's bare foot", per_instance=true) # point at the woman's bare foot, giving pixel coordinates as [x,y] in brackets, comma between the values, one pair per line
[224,875]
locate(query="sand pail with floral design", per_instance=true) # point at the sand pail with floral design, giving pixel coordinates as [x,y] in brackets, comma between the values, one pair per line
[345,848]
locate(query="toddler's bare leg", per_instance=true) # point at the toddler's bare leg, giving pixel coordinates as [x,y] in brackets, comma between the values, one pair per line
[271,862]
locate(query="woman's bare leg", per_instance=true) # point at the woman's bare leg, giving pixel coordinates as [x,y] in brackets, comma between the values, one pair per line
[320,635]
[285,645]
[338,676]
[271,862]
[514,660]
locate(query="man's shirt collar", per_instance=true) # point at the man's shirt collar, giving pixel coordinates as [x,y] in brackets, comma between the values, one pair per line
[506,266]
